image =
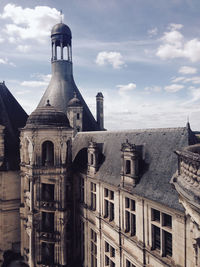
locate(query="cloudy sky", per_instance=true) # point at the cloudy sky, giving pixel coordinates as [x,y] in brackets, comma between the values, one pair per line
[144,55]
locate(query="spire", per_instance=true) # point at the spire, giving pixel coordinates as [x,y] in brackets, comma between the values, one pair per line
[61,16]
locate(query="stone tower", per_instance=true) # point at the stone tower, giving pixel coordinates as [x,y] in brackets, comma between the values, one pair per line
[62,86]
[45,188]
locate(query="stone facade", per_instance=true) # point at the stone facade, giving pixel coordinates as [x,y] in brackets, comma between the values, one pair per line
[94,198]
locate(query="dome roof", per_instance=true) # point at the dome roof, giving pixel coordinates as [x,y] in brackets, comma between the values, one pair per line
[74,102]
[47,116]
[61,28]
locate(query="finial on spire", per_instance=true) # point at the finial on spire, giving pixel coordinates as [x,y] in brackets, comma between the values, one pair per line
[75,95]
[61,15]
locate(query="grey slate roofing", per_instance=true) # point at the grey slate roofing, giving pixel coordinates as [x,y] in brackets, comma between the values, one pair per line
[61,90]
[158,153]
[13,117]
[47,116]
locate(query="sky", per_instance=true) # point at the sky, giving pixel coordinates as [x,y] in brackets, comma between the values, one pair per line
[143,55]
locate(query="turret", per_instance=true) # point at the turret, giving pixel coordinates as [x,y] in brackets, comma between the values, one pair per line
[99,110]
[62,86]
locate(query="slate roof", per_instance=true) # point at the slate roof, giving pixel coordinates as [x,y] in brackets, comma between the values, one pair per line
[158,153]
[13,117]
[61,90]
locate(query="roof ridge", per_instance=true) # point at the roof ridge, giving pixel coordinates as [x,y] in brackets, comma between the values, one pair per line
[168,129]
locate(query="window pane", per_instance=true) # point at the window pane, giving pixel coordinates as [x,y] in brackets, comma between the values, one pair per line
[156,237]
[127,218]
[111,211]
[168,243]
[106,208]
[106,261]
[126,202]
[106,192]
[167,220]
[106,247]
[156,215]
[133,224]
[133,205]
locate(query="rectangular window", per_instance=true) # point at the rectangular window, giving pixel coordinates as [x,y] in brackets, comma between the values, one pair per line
[48,222]
[47,192]
[78,116]
[129,264]
[130,216]
[47,253]
[93,248]
[128,166]
[109,211]
[109,255]
[93,195]
[161,224]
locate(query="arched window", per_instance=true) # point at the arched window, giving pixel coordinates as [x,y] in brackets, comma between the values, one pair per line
[58,52]
[47,153]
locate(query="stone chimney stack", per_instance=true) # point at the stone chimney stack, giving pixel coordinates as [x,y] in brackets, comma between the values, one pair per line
[99,110]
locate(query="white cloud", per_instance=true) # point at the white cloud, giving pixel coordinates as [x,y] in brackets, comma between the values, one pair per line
[43,81]
[153,88]
[125,88]
[174,45]
[194,80]
[173,88]
[174,26]
[23,48]
[5,61]
[153,32]
[29,23]
[113,58]
[178,79]
[187,70]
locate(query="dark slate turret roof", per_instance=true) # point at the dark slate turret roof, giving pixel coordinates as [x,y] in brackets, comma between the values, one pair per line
[61,28]
[61,90]
[47,116]
[13,117]
[160,162]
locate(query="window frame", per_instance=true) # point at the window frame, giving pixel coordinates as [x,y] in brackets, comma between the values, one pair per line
[109,205]
[165,230]
[129,216]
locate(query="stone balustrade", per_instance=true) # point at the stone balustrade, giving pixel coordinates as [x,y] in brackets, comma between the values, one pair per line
[187,178]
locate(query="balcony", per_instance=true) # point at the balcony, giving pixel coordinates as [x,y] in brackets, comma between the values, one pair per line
[187,178]
[48,205]
[50,237]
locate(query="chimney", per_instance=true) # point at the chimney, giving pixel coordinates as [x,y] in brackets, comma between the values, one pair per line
[99,110]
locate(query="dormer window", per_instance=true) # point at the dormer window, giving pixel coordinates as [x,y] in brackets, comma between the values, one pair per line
[129,164]
[92,158]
